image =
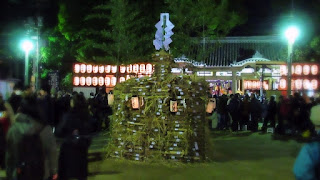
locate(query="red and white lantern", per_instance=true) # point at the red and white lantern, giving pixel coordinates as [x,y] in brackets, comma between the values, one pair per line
[314,69]
[76,68]
[114,69]
[82,81]
[94,81]
[83,68]
[101,69]
[113,81]
[107,68]
[122,69]
[306,69]
[76,81]
[88,81]
[89,68]
[101,81]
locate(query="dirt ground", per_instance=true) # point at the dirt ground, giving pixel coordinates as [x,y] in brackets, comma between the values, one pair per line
[234,156]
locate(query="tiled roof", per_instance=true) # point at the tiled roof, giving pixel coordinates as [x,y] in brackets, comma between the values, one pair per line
[230,50]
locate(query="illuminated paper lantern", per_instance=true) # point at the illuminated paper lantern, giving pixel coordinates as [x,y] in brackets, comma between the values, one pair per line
[88,81]
[101,69]
[211,106]
[297,70]
[122,69]
[298,84]
[173,106]
[142,68]
[306,84]
[314,84]
[135,68]
[122,79]
[283,70]
[82,81]
[110,99]
[95,68]
[83,68]
[76,68]
[101,81]
[314,69]
[254,84]
[113,69]
[113,81]
[107,68]
[249,84]
[149,68]
[135,102]
[107,81]
[94,81]
[306,69]
[89,68]
[129,68]
[283,84]
[76,81]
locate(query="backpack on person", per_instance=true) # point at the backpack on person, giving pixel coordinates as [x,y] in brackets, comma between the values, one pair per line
[30,158]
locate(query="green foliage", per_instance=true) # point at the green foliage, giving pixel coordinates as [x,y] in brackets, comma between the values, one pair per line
[66,82]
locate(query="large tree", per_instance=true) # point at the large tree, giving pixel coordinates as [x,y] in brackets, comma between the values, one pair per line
[196,20]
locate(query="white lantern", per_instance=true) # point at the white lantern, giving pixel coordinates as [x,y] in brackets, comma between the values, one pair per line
[95,68]
[76,81]
[94,81]
[113,81]
[101,69]
[107,68]
[114,69]
[306,84]
[314,84]
[76,68]
[306,69]
[173,106]
[149,68]
[283,84]
[298,70]
[82,81]
[88,81]
[89,68]
[314,69]
[83,68]
[101,81]
[107,81]
[298,84]
[122,69]
[129,68]
[135,102]
[142,68]
[135,68]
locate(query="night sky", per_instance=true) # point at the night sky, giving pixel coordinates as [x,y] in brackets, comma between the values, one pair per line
[264,17]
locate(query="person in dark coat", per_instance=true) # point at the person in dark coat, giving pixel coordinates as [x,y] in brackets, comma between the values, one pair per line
[255,111]
[222,112]
[233,109]
[271,114]
[73,162]
[28,122]
[245,111]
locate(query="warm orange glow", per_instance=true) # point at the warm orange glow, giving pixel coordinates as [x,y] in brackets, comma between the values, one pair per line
[113,69]
[113,81]
[89,68]
[135,68]
[122,69]
[298,84]
[94,81]
[149,68]
[107,68]
[254,85]
[122,79]
[306,69]
[83,68]
[88,81]
[82,81]
[95,68]
[101,81]
[76,68]
[135,102]
[107,81]
[314,69]
[142,68]
[306,84]
[298,70]
[101,69]
[314,84]
[129,68]
[283,70]
[173,106]
[76,81]
[283,84]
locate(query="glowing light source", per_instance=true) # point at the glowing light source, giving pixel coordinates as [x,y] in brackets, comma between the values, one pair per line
[135,102]
[107,68]
[306,69]
[101,81]
[135,68]
[95,68]
[283,84]
[88,81]
[82,81]
[113,81]
[129,68]
[298,84]
[76,68]
[122,69]
[76,81]
[94,81]
[142,68]
[291,34]
[298,70]
[101,69]
[83,68]
[107,81]
[306,84]
[314,69]
[89,68]
[114,69]
[314,84]
[149,68]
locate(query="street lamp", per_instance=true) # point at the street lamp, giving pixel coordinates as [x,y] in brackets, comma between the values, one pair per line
[27,46]
[291,34]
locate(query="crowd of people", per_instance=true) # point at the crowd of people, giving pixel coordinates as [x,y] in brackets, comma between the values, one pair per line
[288,115]
[30,124]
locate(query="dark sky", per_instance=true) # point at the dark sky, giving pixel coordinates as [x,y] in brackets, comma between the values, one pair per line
[264,16]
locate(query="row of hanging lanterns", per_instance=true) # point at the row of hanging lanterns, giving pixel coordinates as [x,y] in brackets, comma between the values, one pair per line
[300,69]
[299,84]
[132,68]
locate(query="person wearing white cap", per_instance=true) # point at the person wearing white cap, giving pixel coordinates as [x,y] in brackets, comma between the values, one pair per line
[307,164]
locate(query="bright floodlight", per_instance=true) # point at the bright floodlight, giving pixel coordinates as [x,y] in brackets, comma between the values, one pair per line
[291,34]
[27,46]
